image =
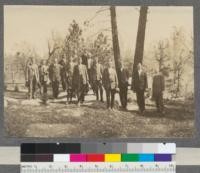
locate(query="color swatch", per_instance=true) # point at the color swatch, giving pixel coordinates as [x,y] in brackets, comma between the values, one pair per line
[96,157]
[67,148]
[73,152]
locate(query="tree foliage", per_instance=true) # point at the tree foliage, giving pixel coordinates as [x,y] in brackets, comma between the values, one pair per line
[174,57]
[180,56]
[55,46]
[23,53]
[162,57]
[101,48]
[74,41]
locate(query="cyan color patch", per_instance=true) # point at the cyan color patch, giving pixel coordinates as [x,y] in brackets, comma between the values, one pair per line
[146,157]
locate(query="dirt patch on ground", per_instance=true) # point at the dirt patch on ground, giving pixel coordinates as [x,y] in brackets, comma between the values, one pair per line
[92,119]
[51,130]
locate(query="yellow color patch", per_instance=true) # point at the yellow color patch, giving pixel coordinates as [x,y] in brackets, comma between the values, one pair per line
[112,157]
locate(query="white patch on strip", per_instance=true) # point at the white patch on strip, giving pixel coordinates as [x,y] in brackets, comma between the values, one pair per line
[167,148]
[61,158]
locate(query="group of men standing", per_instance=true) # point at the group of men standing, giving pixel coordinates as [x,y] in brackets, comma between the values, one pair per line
[77,78]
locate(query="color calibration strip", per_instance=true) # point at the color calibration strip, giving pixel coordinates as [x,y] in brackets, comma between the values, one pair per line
[97,158]
[77,148]
[91,152]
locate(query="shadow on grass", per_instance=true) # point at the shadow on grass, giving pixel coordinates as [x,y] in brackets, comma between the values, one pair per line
[92,119]
[16,95]
[169,113]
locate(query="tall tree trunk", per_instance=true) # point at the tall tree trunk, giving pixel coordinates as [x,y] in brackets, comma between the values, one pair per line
[115,40]
[139,49]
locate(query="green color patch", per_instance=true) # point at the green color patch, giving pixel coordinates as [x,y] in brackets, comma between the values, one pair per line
[129,157]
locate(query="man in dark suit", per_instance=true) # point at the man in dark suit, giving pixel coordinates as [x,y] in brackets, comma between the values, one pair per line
[158,87]
[69,86]
[110,83]
[54,75]
[96,77]
[80,80]
[123,85]
[44,76]
[139,85]
[63,71]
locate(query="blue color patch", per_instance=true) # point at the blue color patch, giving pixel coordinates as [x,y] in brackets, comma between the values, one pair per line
[146,157]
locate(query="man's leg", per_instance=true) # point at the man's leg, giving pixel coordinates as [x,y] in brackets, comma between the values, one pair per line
[125,96]
[65,84]
[53,88]
[78,93]
[83,93]
[29,89]
[57,89]
[101,91]
[112,98]
[160,101]
[96,85]
[121,96]
[34,83]
[108,97]
[89,76]
[45,91]
[138,100]
[142,101]
[157,103]
[70,94]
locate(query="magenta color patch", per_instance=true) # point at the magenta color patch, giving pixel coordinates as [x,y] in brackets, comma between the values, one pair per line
[78,158]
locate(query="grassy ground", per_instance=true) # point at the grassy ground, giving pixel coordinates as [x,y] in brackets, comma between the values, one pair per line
[24,118]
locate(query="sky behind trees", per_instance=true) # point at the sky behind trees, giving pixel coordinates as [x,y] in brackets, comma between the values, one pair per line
[34,24]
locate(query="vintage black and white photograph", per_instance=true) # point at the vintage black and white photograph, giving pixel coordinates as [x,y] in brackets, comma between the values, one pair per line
[98,71]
